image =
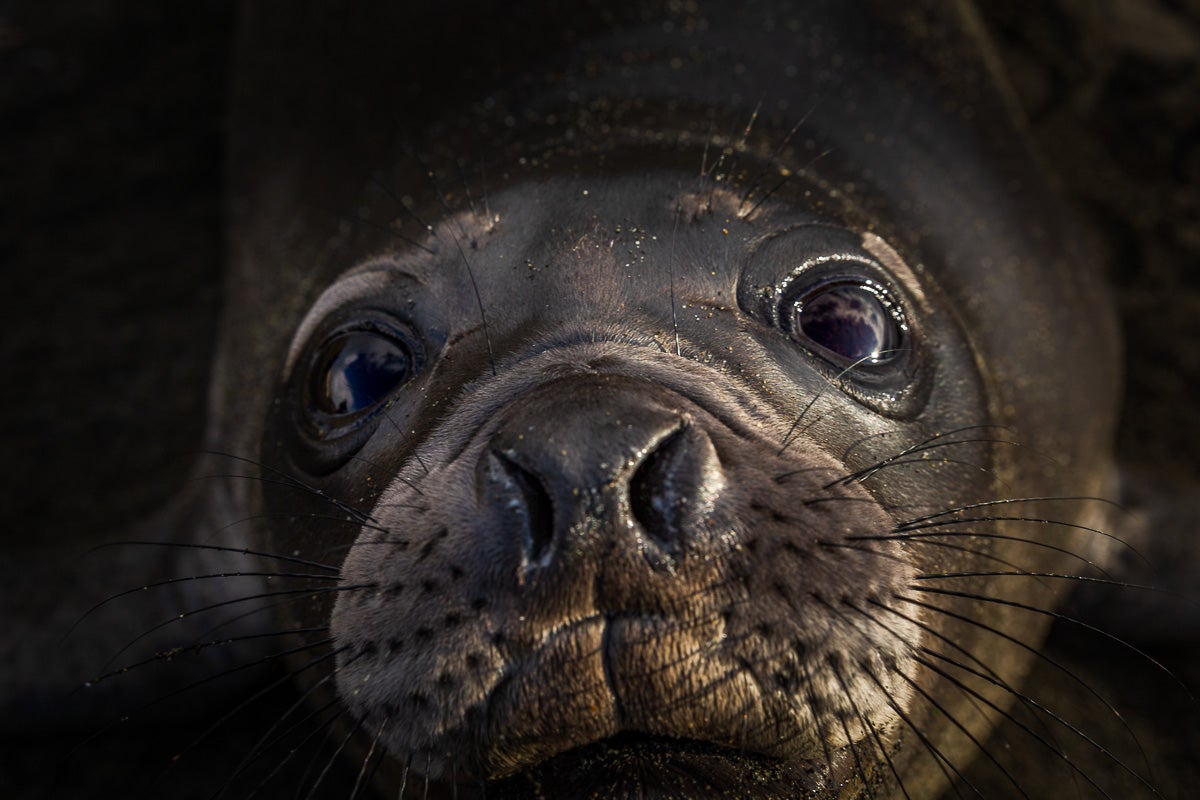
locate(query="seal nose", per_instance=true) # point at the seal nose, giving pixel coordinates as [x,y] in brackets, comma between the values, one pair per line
[582,456]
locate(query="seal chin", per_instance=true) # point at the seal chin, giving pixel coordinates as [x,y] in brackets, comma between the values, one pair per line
[637,765]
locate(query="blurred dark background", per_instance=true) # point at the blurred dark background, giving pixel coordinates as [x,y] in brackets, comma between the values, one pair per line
[112,120]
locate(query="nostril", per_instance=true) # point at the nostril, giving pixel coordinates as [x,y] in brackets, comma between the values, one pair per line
[528,497]
[660,487]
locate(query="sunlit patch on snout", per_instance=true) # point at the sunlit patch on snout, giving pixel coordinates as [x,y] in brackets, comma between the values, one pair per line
[610,560]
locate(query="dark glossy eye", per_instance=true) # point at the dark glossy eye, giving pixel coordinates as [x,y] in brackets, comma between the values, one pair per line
[854,322]
[356,370]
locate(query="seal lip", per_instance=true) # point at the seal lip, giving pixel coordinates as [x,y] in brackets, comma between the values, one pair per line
[674,766]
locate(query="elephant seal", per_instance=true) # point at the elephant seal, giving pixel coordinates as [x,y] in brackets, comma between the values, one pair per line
[704,414]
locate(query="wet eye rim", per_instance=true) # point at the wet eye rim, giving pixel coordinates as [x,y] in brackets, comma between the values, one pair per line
[805,260]
[325,425]
[817,277]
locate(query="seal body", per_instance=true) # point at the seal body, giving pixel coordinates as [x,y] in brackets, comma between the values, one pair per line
[674,422]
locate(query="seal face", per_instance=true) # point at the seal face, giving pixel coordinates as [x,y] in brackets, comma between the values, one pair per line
[684,447]
[653,533]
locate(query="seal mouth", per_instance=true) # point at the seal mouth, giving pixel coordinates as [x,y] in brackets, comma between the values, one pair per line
[646,766]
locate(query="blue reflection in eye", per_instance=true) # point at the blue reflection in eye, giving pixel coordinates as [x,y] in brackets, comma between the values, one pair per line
[359,369]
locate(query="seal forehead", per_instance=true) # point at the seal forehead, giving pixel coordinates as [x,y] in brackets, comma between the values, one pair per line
[590,245]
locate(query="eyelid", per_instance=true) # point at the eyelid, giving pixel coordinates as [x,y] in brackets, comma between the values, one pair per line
[788,286]
[359,283]
[896,266]
[798,260]
[325,359]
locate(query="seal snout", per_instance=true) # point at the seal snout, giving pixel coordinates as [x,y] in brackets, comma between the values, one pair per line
[609,565]
[582,455]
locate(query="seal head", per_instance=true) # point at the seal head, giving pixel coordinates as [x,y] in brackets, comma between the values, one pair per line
[666,458]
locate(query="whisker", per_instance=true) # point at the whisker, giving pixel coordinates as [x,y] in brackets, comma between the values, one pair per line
[784,181]
[748,213]
[359,517]
[829,384]
[932,525]
[671,286]
[260,596]
[930,538]
[939,758]
[1009,501]
[245,551]
[938,440]
[462,254]
[264,609]
[813,501]
[208,679]
[209,576]
[196,648]
[266,742]
[995,677]
[187,545]
[1064,618]
[978,744]
[841,546]
[783,476]
[389,230]
[858,764]
[483,188]
[814,705]
[466,186]
[403,206]
[321,729]
[407,443]
[1029,701]
[332,760]
[803,412]
[392,232]
[925,462]
[740,146]
[308,515]
[364,777]
[1008,638]
[970,551]
[375,181]
[773,158]
[288,480]
[869,726]
[404,776]
[285,679]
[930,699]
[708,140]
[1077,578]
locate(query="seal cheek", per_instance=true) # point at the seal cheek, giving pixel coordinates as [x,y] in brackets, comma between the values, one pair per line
[412,648]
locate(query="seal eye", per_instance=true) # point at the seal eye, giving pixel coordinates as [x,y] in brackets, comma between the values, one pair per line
[852,323]
[358,369]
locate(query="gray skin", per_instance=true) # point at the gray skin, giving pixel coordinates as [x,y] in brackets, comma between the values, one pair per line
[623,528]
